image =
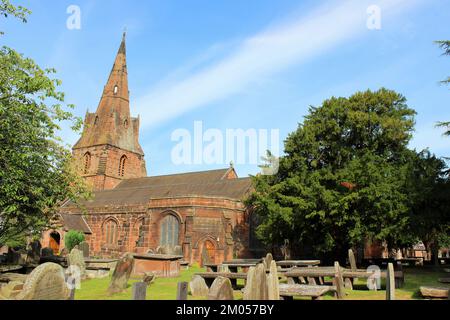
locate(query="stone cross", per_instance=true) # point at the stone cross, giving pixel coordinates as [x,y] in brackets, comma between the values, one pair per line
[390,282]
[221,289]
[182,291]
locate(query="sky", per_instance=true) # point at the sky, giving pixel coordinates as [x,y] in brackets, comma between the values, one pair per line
[253,65]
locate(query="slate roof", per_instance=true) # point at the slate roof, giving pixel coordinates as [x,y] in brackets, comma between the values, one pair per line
[210,183]
[75,222]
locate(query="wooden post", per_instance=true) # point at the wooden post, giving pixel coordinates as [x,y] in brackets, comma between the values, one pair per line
[182,291]
[390,282]
[339,281]
[139,291]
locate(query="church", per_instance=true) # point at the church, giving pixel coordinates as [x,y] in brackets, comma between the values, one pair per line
[200,215]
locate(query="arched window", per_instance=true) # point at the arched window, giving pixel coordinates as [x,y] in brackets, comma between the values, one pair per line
[116,88]
[96,120]
[111,230]
[125,123]
[169,231]
[87,162]
[122,163]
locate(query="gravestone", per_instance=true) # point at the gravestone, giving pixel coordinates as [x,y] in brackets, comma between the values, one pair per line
[273,289]
[434,292]
[338,281]
[84,247]
[267,260]
[223,268]
[46,252]
[121,274]
[198,287]
[221,289]
[390,282]
[75,259]
[11,290]
[46,282]
[256,286]
[182,290]
[34,252]
[139,291]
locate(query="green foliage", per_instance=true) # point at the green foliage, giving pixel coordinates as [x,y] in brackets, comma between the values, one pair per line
[73,238]
[445,45]
[361,142]
[37,171]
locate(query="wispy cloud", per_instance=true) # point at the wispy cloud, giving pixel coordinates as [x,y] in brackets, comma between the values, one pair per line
[280,46]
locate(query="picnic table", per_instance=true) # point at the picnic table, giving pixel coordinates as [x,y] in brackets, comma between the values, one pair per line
[233,276]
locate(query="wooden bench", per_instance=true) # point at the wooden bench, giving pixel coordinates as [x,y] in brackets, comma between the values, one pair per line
[289,291]
[211,276]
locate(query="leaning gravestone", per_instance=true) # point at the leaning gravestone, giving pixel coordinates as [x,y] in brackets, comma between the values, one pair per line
[75,259]
[84,247]
[273,289]
[256,286]
[46,282]
[198,287]
[121,274]
[221,289]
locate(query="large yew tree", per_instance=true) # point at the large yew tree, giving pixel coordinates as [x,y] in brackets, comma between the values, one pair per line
[343,177]
[36,174]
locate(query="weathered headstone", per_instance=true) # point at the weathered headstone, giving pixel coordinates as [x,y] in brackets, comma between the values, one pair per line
[84,247]
[46,282]
[75,259]
[221,289]
[256,286]
[34,252]
[182,290]
[47,252]
[11,290]
[139,291]
[121,274]
[273,289]
[148,277]
[198,287]
[267,260]
[390,282]
[339,281]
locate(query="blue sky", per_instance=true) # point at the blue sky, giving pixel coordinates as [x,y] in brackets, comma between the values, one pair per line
[241,64]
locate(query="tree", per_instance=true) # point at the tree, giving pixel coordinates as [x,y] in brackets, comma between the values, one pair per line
[342,178]
[37,173]
[73,238]
[428,190]
[445,45]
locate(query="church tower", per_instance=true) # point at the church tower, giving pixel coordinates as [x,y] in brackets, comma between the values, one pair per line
[108,150]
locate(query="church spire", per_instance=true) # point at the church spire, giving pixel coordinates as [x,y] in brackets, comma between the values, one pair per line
[115,97]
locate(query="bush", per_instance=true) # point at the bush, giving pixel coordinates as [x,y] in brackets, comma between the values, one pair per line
[73,238]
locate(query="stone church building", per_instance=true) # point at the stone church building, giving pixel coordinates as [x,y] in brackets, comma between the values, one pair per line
[199,213]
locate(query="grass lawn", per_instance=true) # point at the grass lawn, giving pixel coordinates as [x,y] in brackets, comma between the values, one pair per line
[165,288]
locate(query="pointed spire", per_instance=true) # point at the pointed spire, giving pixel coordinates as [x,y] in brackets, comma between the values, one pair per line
[123,48]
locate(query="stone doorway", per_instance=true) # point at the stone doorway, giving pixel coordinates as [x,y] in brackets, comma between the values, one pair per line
[54,243]
[208,252]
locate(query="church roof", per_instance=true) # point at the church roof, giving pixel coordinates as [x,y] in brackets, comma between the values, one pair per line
[212,183]
[75,222]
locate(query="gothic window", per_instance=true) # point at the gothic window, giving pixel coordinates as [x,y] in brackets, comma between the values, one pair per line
[110,230]
[116,88]
[96,120]
[87,162]
[125,123]
[122,163]
[141,234]
[169,231]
